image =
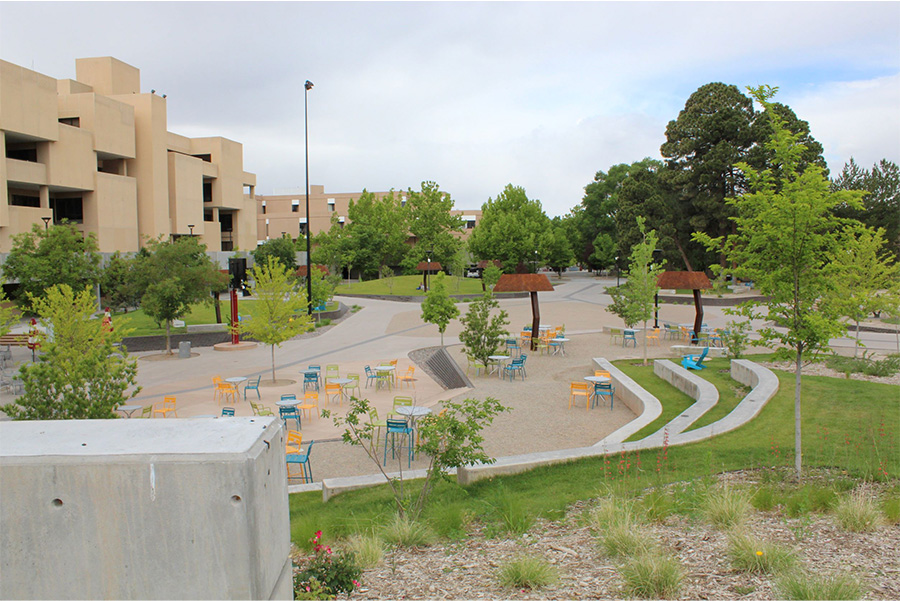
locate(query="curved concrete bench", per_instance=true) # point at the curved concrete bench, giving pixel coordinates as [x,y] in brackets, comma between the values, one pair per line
[702,391]
[643,404]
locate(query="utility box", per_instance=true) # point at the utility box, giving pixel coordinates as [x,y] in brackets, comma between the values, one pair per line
[144,509]
[184,349]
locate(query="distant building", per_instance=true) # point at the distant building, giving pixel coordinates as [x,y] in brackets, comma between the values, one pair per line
[97,151]
[285,214]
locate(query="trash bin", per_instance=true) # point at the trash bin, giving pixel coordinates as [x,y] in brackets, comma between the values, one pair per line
[184,349]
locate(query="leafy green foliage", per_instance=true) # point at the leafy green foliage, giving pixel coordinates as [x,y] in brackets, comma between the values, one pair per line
[433,226]
[556,250]
[280,312]
[283,249]
[118,284]
[42,258]
[527,572]
[8,314]
[336,572]
[881,203]
[482,332]
[511,228]
[80,373]
[491,275]
[174,276]
[438,308]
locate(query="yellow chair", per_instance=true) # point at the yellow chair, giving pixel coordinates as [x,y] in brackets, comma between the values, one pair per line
[353,385]
[602,372]
[167,408]
[402,401]
[614,333]
[225,389]
[653,335]
[294,439]
[580,389]
[265,411]
[377,426]
[334,390]
[408,378]
[310,402]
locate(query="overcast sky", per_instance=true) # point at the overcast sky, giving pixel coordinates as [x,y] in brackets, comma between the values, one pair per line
[476,95]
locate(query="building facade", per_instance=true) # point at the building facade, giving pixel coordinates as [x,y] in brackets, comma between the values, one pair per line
[285,214]
[97,152]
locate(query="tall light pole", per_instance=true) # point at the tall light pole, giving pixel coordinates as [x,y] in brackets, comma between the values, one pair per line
[657,253]
[306,88]
[46,221]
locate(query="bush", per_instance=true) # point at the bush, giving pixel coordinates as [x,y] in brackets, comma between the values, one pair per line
[805,586]
[527,572]
[652,576]
[883,368]
[326,572]
[858,513]
[751,554]
[625,540]
[727,508]
[404,532]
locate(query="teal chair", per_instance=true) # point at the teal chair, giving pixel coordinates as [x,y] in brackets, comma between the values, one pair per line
[253,386]
[301,459]
[695,361]
[399,428]
[227,411]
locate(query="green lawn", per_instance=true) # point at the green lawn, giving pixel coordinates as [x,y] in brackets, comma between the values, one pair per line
[848,424]
[405,285]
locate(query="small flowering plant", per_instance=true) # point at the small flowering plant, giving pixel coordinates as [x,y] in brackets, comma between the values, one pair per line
[326,574]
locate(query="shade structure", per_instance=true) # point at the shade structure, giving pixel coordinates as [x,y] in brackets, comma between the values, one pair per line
[484,264]
[690,280]
[301,271]
[427,267]
[527,282]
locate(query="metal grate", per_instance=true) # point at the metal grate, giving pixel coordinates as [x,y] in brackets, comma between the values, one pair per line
[438,364]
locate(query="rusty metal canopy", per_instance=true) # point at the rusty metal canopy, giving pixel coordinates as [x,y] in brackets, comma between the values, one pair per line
[301,271]
[523,282]
[688,280]
[484,264]
[426,266]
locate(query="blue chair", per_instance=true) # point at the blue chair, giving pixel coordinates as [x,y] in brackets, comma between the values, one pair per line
[602,389]
[227,411]
[371,376]
[253,386]
[694,361]
[310,380]
[629,336]
[513,348]
[301,459]
[287,413]
[517,365]
[318,368]
[395,428]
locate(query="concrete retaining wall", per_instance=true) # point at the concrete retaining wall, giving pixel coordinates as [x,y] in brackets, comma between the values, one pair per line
[643,404]
[703,392]
[144,509]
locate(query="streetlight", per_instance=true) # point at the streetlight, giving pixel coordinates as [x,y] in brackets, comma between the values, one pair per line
[428,253]
[191,227]
[534,262]
[306,88]
[617,272]
[657,253]
[46,221]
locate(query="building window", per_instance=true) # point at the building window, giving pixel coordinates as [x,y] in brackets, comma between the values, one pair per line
[207,216]
[20,200]
[204,157]
[73,121]
[470,224]
[295,208]
[22,152]
[207,191]
[70,209]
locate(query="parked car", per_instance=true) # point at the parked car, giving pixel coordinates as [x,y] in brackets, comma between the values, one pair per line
[472,272]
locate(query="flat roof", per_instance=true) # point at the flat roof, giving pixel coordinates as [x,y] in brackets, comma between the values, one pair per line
[111,437]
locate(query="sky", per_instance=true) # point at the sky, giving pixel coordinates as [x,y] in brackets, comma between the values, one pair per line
[475,95]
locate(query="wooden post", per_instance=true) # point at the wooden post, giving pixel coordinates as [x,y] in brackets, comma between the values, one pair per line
[698,319]
[235,337]
[535,321]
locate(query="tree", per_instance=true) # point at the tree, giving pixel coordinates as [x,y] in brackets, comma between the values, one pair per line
[605,253]
[7,313]
[378,230]
[786,235]
[43,258]
[633,301]
[483,333]
[491,275]
[334,248]
[432,225]
[865,277]
[438,308]
[556,250]
[387,274]
[81,374]
[117,284]
[174,276]
[510,228]
[283,249]
[881,204]
[323,286]
[280,306]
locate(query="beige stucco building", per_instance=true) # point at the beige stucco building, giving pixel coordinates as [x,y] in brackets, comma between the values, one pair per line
[97,151]
[285,214]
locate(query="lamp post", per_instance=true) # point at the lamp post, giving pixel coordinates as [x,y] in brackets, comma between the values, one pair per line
[191,227]
[306,88]
[534,262]
[617,272]
[46,221]
[657,253]
[428,253]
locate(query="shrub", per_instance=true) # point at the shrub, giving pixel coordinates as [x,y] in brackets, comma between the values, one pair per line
[527,571]
[652,576]
[727,508]
[625,540]
[751,554]
[763,499]
[858,513]
[891,509]
[657,505]
[332,573]
[806,586]
[368,550]
[404,532]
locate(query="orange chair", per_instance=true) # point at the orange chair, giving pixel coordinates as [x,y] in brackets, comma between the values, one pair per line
[334,390]
[310,402]
[292,445]
[408,378]
[580,389]
[652,335]
[602,372]
[224,390]
[167,408]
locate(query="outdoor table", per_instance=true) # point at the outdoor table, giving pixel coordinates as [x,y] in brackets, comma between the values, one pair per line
[129,409]
[318,372]
[288,402]
[560,347]
[498,359]
[413,412]
[384,369]
[342,381]
[597,380]
[237,381]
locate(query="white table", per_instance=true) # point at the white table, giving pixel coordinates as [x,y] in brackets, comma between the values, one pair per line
[236,381]
[288,402]
[413,412]
[498,359]
[559,346]
[129,409]
[380,369]
[342,381]
[597,380]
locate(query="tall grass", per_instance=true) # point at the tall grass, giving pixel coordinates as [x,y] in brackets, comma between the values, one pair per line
[751,554]
[369,550]
[527,571]
[652,576]
[727,508]
[857,512]
[404,532]
[802,586]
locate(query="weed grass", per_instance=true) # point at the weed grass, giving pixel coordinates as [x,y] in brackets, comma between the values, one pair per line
[651,576]
[727,508]
[368,550]
[802,586]
[857,512]
[404,532]
[751,554]
[527,571]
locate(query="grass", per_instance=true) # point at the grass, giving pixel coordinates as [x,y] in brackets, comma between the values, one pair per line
[368,550]
[751,554]
[651,576]
[727,508]
[858,513]
[803,586]
[676,401]
[527,571]
[404,532]
[848,424]
[405,285]
[619,529]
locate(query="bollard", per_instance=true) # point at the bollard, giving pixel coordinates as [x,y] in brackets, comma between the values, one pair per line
[184,349]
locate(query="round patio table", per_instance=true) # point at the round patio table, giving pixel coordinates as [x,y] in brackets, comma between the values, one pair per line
[560,347]
[342,381]
[413,412]
[384,369]
[288,402]
[129,409]
[498,359]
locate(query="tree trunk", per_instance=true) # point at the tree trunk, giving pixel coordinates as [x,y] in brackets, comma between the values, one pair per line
[273,363]
[645,342]
[168,337]
[798,451]
[684,257]
[856,346]
[218,307]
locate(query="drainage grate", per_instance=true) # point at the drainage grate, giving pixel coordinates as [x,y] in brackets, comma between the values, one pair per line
[437,363]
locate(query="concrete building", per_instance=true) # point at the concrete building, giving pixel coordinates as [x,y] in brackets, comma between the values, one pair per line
[285,214]
[97,151]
